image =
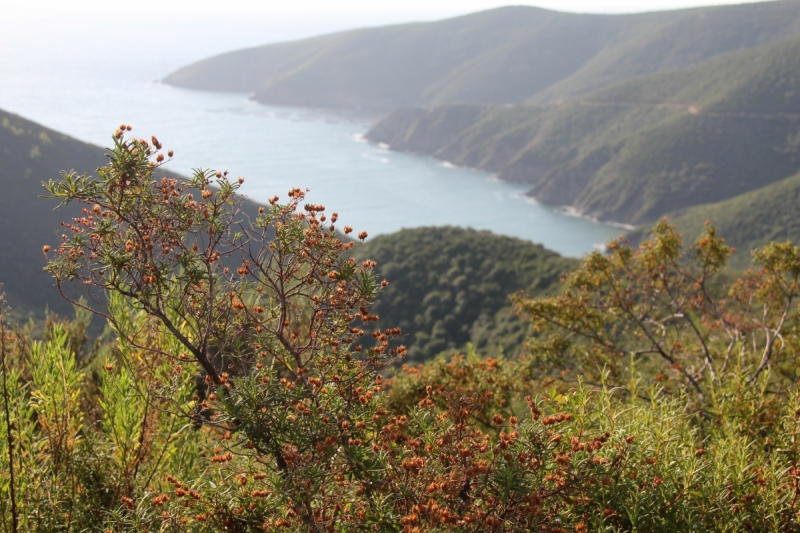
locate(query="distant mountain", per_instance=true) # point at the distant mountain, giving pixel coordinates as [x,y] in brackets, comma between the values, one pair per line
[449,286]
[625,118]
[505,55]
[636,150]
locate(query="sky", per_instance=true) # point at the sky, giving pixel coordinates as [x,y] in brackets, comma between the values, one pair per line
[176,32]
[379,9]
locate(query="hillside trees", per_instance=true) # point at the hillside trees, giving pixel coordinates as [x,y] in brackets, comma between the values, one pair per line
[449,286]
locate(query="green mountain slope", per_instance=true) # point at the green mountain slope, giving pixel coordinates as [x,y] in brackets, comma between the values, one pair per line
[637,150]
[505,55]
[679,42]
[29,155]
[449,286]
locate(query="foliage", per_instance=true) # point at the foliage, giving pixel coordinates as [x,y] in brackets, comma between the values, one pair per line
[586,460]
[613,462]
[499,384]
[73,467]
[243,397]
[748,221]
[661,308]
[449,286]
[28,222]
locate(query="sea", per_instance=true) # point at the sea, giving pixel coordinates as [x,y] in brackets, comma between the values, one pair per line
[85,75]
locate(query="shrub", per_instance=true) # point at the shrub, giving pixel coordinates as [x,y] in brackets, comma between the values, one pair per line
[239,393]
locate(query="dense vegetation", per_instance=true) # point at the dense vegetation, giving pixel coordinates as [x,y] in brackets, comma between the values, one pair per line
[506,55]
[262,372]
[655,396]
[450,286]
[638,150]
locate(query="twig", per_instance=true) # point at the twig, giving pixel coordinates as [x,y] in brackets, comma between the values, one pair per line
[9,435]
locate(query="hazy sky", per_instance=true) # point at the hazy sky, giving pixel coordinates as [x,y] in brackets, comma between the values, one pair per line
[172,33]
[390,8]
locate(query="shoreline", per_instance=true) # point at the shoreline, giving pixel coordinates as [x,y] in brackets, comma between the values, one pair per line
[563,209]
[575,212]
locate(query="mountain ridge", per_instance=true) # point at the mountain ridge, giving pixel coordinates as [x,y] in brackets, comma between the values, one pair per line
[30,154]
[512,54]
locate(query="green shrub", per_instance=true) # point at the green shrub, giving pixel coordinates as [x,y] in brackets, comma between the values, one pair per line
[238,393]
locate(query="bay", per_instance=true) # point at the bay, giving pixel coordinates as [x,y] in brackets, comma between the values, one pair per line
[81,82]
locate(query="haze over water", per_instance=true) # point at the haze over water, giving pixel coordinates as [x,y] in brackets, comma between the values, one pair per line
[86,77]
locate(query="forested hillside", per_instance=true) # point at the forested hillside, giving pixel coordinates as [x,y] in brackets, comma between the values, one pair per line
[449,286]
[506,55]
[29,155]
[637,150]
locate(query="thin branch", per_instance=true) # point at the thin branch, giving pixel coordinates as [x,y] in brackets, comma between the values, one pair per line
[9,435]
[765,356]
[698,334]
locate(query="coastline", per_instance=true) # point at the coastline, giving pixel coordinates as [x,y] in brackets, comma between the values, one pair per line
[563,209]
[575,212]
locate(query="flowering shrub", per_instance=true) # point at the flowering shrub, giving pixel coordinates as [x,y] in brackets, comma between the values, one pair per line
[673,315]
[246,391]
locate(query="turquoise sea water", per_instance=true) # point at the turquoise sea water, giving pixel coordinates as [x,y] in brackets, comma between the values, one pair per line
[78,83]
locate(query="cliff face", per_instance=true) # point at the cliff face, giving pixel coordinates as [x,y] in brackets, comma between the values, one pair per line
[398,127]
[505,55]
[485,137]
[635,151]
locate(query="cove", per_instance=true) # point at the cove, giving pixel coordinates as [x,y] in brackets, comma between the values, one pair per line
[84,94]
